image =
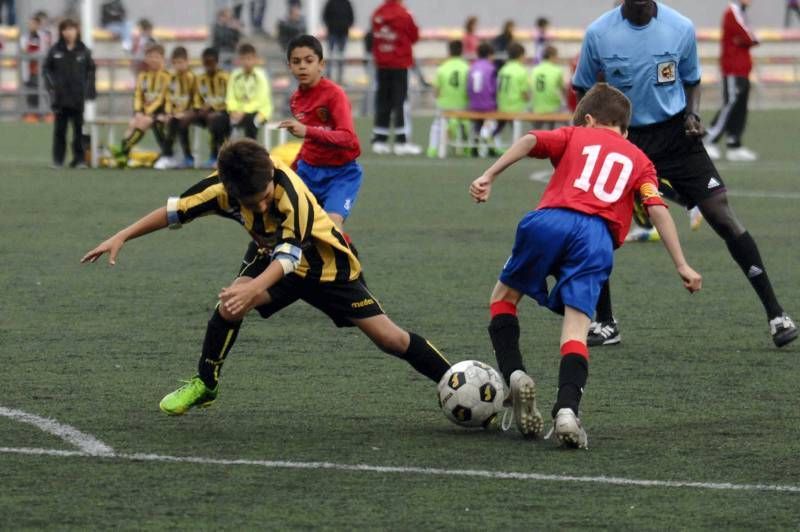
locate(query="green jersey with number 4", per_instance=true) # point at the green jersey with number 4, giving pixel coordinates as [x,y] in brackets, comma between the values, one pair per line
[451,82]
[513,88]
[548,87]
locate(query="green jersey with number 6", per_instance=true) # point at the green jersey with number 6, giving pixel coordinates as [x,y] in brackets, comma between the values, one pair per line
[513,88]
[548,87]
[451,82]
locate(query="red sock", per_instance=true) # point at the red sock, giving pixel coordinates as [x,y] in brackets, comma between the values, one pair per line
[502,307]
[574,347]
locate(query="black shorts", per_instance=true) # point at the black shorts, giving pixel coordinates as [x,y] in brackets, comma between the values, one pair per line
[342,302]
[680,160]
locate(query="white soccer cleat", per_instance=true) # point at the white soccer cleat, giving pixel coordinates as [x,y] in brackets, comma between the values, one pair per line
[741,155]
[695,218]
[712,151]
[165,163]
[568,430]
[783,330]
[407,148]
[381,148]
[523,400]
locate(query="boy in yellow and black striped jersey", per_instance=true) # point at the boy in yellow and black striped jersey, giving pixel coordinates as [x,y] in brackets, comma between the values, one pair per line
[180,111]
[149,104]
[209,103]
[296,253]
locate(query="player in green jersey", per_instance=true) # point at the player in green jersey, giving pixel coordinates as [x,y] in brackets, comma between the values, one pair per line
[451,95]
[513,86]
[548,83]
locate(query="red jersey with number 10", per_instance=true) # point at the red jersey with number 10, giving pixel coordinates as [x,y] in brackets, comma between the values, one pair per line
[331,139]
[597,172]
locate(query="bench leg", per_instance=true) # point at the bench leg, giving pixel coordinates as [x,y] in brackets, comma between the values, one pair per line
[442,137]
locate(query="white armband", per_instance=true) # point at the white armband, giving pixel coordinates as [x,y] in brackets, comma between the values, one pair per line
[173,220]
[289,257]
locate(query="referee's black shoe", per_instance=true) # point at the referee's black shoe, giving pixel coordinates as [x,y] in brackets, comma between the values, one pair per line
[783,330]
[603,333]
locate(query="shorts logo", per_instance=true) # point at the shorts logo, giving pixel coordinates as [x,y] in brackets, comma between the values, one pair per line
[363,303]
[713,183]
[666,72]
[347,204]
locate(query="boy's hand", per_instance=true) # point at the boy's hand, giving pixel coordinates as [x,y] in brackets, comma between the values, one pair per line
[110,246]
[692,280]
[236,117]
[481,189]
[295,128]
[239,297]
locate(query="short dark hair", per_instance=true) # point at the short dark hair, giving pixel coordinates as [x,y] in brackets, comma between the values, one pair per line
[145,24]
[550,52]
[244,168]
[155,47]
[67,23]
[515,50]
[608,105]
[542,21]
[179,53]
[304,41]
[455,48]
[246,49]
[211,52]
[485,49]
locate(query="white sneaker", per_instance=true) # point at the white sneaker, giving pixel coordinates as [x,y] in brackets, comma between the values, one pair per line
[407,148]
[741,154]
[569,431]
[695,218]
[381,148]
[712,151]
[165,163]
[523,400]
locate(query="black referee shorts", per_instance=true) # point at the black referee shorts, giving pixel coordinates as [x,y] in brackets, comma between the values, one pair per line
[679,159]
[342,302]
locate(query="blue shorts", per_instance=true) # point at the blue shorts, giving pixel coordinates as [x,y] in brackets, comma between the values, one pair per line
[573,247]
[335,187]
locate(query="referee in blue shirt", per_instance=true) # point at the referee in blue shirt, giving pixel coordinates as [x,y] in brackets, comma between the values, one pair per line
[649,51]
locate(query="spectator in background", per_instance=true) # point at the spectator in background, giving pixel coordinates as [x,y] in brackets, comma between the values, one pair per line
[293,25]
[338,17]
[225,35]
[541,39]
[113,18]
[34,41]
[736,62]
[548,83]
[501,43]
[394,32]
[482,91]
[513,87]
[451,95]
[470,40]
[792,6]
[69,76]
[141,42]
[10,9]
[249,95]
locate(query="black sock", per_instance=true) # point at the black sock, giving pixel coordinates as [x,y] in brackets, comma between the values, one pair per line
[504,332]
[400,139]
[183,137]
[220,337]
[604,312]
[131,140]
[572,376]
[379,138]
[745,252]
[424,358]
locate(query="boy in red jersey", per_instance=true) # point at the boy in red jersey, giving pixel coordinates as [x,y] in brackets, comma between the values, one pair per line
[572,235]
[327,161]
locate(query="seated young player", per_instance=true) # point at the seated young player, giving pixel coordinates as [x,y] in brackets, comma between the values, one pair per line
[513,86]
[450,85]
[180,112]
[209,103]
[547,84]
[249,95]
[296,253]
[149,104]
[572,235]
[482,91]
[323,119]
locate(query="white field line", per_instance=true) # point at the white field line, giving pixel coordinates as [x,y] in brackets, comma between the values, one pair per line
[431,471]
[87,443]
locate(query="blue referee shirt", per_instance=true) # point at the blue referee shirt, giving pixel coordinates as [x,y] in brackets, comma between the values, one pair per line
[650,64]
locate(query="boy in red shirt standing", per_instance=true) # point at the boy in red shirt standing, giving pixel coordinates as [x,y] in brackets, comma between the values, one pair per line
[571,236]
[323,119]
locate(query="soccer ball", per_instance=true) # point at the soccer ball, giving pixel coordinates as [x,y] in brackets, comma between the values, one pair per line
[471,393]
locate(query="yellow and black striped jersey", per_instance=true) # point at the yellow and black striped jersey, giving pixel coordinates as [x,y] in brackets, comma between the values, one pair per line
[180,96]
[294,223]
[150,96]
[211,90]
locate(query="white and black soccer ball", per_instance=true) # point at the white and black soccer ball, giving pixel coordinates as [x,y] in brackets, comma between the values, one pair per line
[471,393]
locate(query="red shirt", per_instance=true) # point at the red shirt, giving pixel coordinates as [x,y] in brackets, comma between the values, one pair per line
[737,39]
[393,33]
[597,172]
[331,139]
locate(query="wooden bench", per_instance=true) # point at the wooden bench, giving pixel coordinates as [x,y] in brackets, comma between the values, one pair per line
[517,119]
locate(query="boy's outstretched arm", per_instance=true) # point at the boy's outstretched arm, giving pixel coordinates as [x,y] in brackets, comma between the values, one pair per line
[147,224]
[481,188]
[662,221]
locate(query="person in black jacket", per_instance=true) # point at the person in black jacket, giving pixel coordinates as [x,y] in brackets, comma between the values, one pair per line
[339,18]
[69,76]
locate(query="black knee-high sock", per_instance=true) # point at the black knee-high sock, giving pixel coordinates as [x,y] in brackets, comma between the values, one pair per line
[604,312]
[504,333]
[745,252]
[183,138]
[131,140]
[162,138]
[220,337]
[425,358]
[572,375]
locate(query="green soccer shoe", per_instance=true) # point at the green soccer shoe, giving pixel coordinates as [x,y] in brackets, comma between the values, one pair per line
[193,393]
